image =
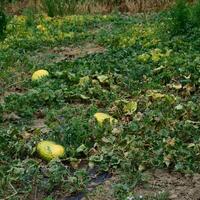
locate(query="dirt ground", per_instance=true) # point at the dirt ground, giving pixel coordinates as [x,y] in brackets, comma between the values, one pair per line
[177,185]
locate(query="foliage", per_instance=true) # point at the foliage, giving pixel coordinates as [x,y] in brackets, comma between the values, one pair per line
[184,17]
[196,14]
[180,17]
[58,8]
[30,16]
[3,23]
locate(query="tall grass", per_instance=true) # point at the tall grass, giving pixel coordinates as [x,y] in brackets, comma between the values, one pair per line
[180,14]
[184,17]
[3,20]
[196,14]
[63,7]
[54,7]
[132,6]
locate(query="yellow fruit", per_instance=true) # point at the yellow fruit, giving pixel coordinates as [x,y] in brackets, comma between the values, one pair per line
[102,117]
[39,74]
[48,150]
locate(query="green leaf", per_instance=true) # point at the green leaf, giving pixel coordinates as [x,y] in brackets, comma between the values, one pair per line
[130,107]
[102,78]
[81,149]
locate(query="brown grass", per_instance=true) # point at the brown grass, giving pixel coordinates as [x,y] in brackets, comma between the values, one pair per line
[148,5]
[91,6]
[130,6]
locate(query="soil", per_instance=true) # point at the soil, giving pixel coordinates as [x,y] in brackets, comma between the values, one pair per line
[179,186]
[66,53]
[63,53]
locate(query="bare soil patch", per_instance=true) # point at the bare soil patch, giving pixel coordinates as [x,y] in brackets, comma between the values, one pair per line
[179,186]
[66,53]
[63,53]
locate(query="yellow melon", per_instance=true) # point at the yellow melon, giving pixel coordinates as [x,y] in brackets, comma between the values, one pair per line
[49,150]
[39,74]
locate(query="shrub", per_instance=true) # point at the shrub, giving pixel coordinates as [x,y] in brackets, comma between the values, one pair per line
[196,14]
[184,17]
[3,23]
[180,15]
[54,7]
[30,17]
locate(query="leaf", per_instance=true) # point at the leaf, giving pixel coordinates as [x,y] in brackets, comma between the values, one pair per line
[167,159]
[177,86]
[91,164]
[12,117]
[81,149]
[189,88]
[102,117]
[130,107]
[159,69]
[143,57]
[141,168]
[179,107]
[191,145]
[156,55]
[84,80]
[105,140]
[75,162]
[170,142]
[26,135]
[102,78]
[84,97]
[110,139]
[155,95]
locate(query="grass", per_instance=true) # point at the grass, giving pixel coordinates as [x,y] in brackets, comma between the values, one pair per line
[141,64]
[90,6]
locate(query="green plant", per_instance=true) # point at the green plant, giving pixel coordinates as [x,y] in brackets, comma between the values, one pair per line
[30,16]
[3,23]
[196,13]
[180,17]
[71,6]
[55,7]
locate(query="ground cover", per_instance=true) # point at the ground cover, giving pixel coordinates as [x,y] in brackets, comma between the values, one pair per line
[125,66]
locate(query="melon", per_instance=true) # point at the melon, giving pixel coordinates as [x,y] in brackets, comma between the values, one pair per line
[39,74]
[49,150]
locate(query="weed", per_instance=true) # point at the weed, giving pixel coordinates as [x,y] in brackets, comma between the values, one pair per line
[184,17]
[180,17]
[59,8]
[30,16]
[3,23]
[196,14]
